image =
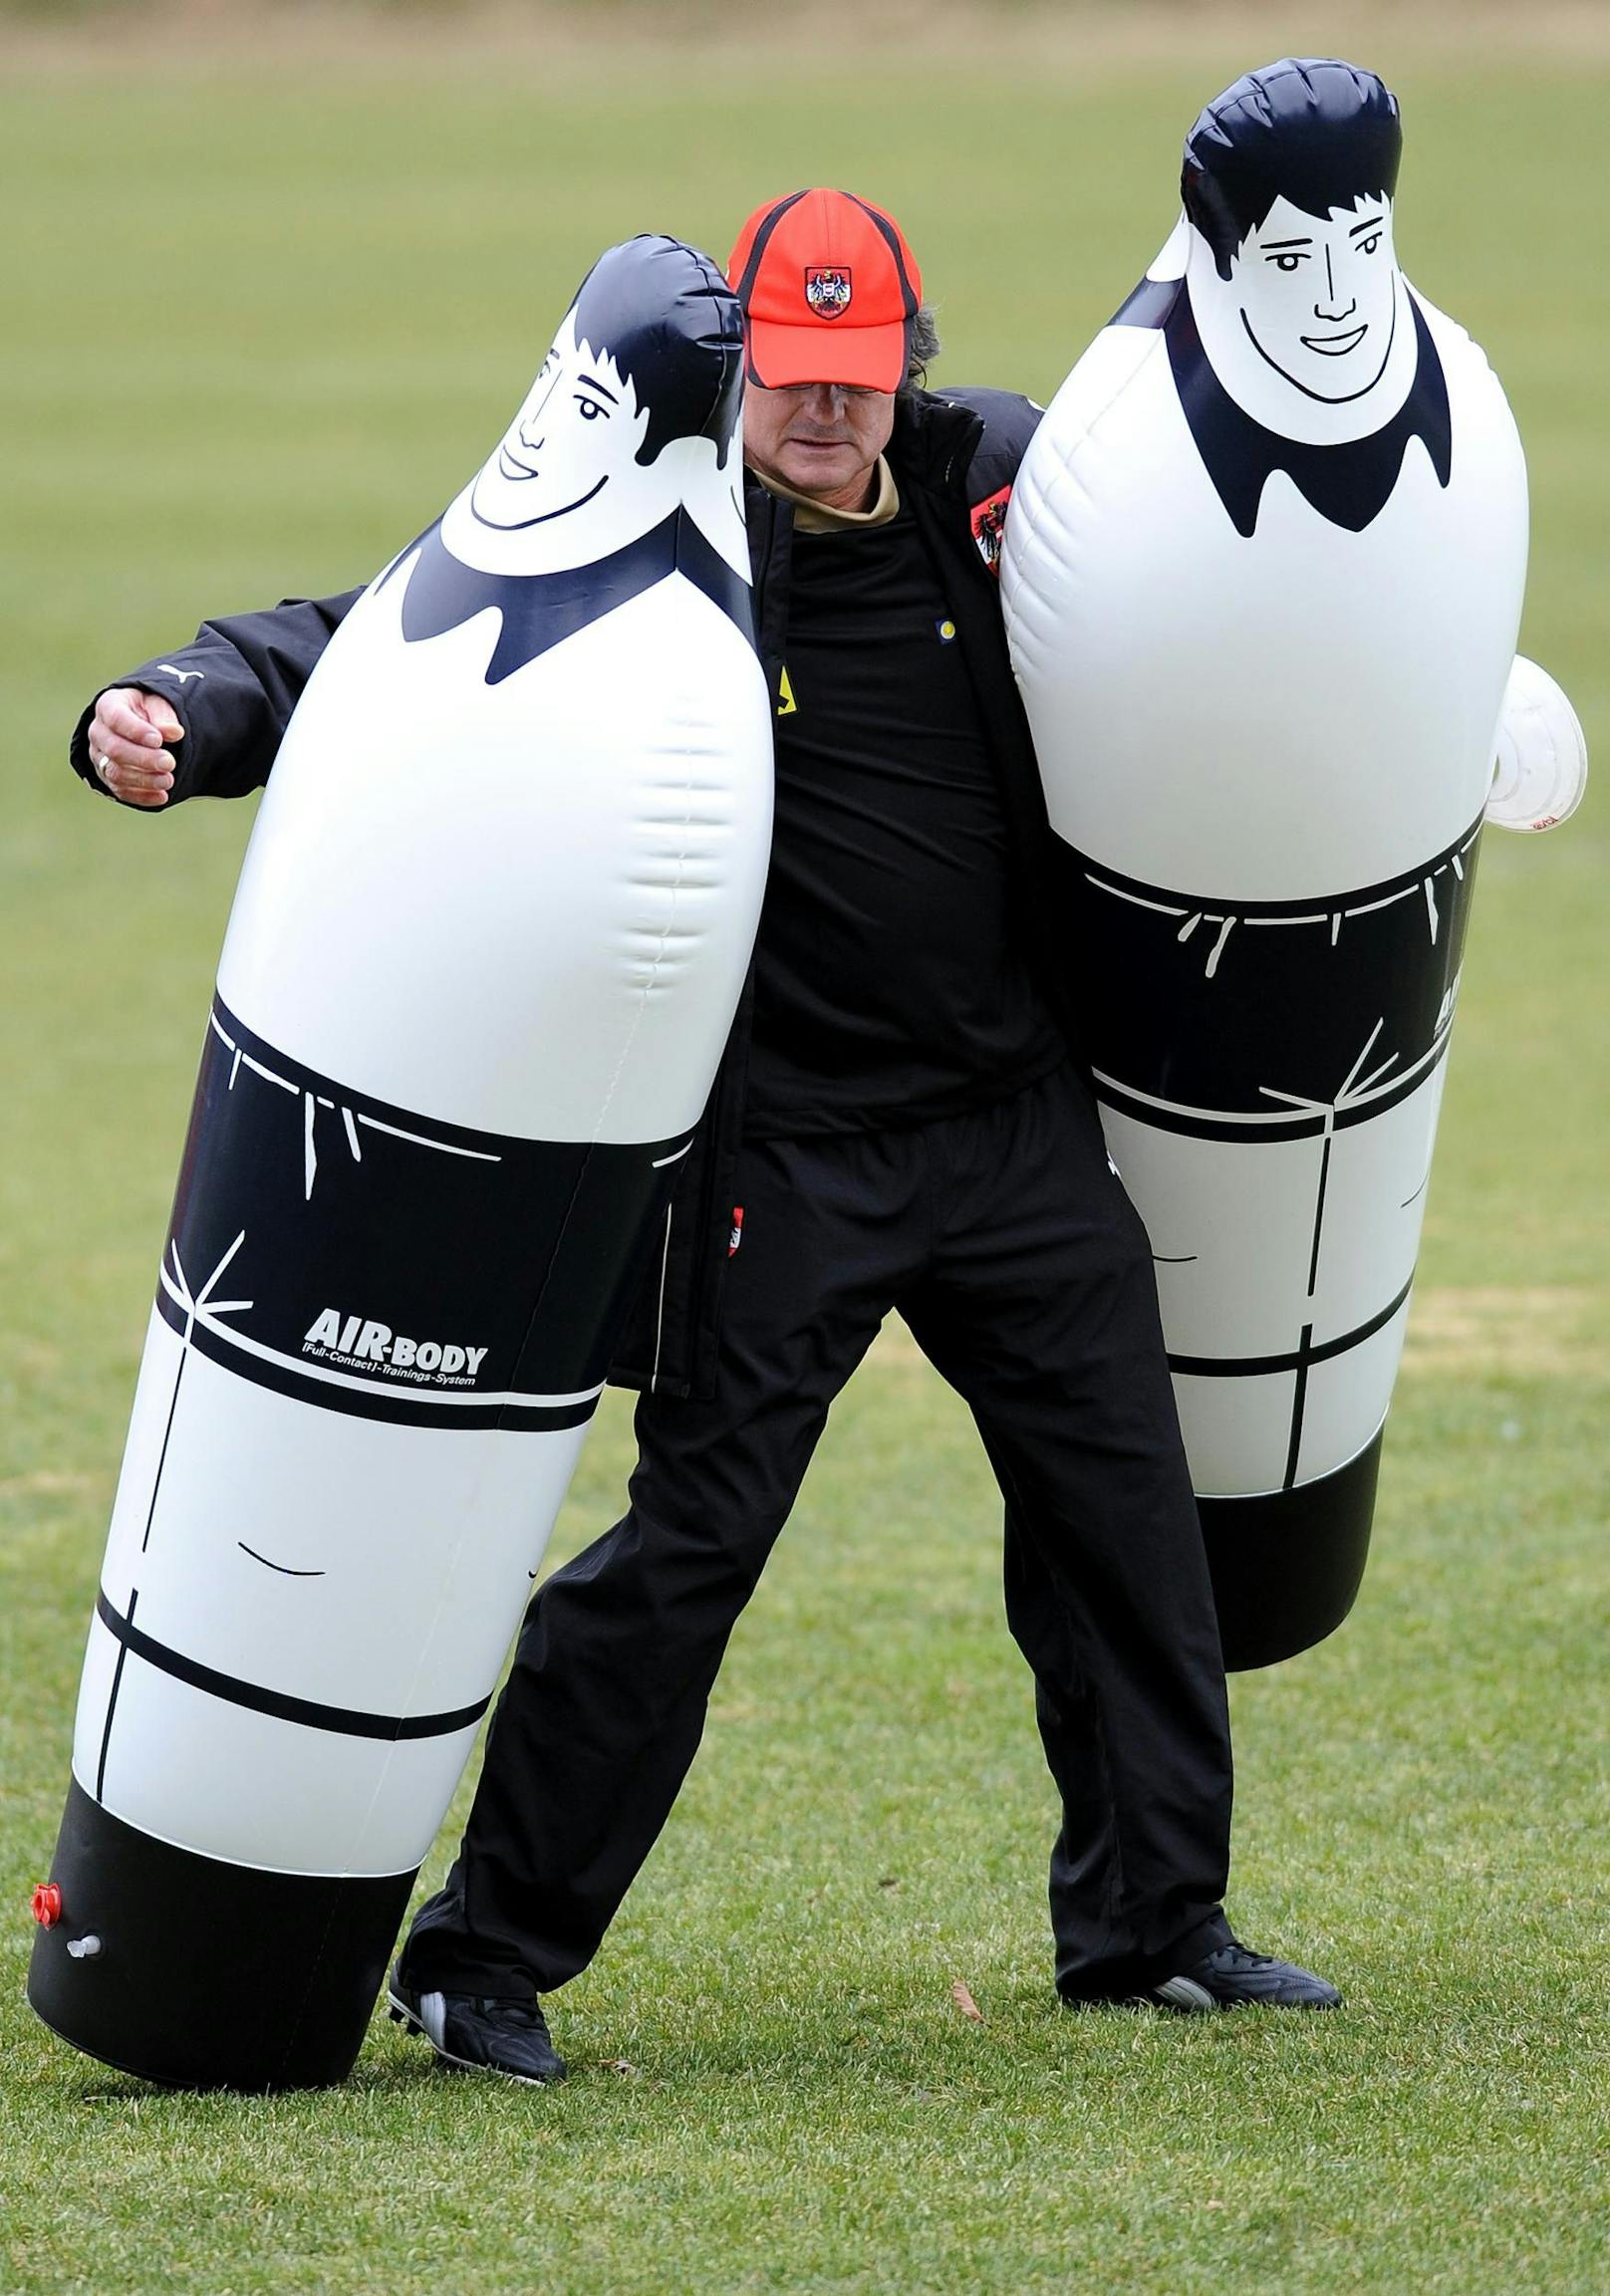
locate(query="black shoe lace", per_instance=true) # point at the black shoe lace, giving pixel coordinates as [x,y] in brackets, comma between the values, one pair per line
[1235,1956]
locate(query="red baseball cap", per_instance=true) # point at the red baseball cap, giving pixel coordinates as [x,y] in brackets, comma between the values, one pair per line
[829,290]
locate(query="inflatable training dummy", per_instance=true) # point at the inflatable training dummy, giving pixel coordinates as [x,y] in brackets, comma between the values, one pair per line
[476,986]
[1262,577]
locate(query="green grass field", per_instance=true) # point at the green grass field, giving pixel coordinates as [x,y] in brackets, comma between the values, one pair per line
[260,319]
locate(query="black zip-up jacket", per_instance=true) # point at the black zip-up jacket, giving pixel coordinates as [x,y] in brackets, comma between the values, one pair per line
[954,458]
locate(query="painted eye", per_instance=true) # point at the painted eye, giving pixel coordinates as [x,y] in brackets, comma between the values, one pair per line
[1369,246]
[1287,262]
[590,408]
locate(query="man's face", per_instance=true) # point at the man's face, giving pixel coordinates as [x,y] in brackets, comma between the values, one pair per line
[1316,301]
[821,438]
[577,433]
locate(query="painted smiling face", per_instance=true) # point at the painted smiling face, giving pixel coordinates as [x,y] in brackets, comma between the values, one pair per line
[1312,331]
[1289,185]
[1318,300]
[634,415]
[565,485]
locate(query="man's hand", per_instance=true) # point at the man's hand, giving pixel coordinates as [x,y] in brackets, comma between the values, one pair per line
[130,735]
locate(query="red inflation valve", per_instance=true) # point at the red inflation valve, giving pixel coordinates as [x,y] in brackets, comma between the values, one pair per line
[47,1904]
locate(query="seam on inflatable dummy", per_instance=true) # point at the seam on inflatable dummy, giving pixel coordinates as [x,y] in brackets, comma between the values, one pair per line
[648,988]
[1064,462]
[631,1039]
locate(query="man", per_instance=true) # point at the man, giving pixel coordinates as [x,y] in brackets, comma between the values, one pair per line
[898,1122]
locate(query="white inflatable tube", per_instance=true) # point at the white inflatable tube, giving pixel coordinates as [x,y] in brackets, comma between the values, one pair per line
[1262,578]
[492,925]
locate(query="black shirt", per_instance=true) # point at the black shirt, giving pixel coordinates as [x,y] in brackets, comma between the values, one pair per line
[890,986]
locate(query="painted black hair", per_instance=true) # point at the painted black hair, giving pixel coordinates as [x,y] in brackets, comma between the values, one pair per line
[671,324]
[1321,133]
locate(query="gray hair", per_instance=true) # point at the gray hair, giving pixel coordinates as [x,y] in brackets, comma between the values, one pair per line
[924,347]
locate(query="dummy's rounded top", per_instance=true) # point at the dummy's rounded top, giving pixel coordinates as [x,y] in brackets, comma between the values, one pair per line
[673,326]
[1317,131]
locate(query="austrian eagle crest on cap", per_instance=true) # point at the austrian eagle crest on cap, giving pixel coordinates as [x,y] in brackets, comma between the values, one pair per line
[827,289]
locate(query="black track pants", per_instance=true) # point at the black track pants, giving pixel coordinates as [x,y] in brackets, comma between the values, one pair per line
[1006,1241]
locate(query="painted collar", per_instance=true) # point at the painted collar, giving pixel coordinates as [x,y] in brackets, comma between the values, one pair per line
[539,611]
[1351,484]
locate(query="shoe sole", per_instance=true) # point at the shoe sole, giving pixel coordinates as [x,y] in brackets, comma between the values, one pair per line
[1184,1997]
[401,2014]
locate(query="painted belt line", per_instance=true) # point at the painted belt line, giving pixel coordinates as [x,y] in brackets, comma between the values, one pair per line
[344,1721]
[1258,1126]
[1331,912]
[1299,1358]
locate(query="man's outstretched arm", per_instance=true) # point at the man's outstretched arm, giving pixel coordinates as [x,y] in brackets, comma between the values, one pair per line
[206,721]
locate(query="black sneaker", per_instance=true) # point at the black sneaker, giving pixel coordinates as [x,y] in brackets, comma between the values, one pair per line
[484,2036]
[1234,1977]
